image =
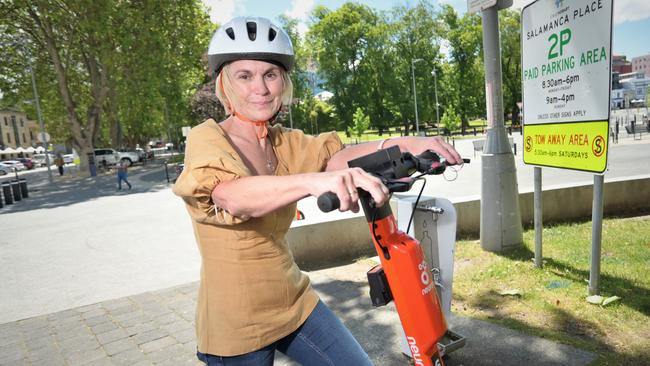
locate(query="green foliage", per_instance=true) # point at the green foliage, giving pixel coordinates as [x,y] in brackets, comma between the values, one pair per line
[510,29]
[465,72]
[360,124]
[108,72]
[450,120]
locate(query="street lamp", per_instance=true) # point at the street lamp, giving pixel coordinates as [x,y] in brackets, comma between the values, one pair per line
[415,94]
[435,86]
[40,116]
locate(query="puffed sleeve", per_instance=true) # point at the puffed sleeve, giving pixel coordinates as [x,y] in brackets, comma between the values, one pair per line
[305,153]
[207,164]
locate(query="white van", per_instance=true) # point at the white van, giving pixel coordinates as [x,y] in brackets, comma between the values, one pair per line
[39,159]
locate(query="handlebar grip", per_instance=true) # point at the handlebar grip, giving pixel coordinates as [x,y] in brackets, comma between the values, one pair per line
[328,201]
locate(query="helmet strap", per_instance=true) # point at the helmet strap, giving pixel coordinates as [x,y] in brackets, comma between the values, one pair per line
[262,130]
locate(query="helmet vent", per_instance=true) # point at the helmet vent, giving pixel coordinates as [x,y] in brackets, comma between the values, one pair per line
[230,33]
[272,34]
[251,27]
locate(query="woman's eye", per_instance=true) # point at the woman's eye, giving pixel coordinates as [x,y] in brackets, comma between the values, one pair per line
[271,75]
[243,77]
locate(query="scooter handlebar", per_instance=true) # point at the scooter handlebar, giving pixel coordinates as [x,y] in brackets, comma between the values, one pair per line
[328,201]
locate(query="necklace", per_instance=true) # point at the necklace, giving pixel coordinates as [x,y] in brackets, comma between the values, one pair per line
[270,158]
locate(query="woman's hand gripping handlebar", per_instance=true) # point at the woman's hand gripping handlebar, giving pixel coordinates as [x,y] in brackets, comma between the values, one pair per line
[395,175]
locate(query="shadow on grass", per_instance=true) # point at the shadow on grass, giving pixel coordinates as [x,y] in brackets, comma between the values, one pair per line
[586,334]
[583,333]
[632,295]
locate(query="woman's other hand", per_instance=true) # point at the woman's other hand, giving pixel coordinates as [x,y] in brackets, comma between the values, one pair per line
[440,146]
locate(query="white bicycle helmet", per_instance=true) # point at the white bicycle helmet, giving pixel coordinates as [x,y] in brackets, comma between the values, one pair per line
[245,38]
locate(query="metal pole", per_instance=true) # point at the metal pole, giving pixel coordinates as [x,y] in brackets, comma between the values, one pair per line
[169,132]
[596,234]
[40,121]
[415,97]
[290,117]
[538,216]
[500,217]
[435,86]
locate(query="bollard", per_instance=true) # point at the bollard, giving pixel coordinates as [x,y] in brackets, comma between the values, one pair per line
[23,187]
[6,190]
[15,188]
[166,171]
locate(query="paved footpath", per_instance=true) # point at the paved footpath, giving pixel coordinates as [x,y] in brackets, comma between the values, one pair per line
[157,328]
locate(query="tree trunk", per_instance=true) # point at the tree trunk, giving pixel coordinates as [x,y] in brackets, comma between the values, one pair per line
[82,134]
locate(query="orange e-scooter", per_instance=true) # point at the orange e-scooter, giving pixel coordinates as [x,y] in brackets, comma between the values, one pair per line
[403,275]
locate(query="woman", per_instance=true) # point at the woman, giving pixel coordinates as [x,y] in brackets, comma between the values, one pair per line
[241,182]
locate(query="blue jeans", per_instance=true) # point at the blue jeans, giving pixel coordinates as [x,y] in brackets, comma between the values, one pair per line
[321,340]
[122,177]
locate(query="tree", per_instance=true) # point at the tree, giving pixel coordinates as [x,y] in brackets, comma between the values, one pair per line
[339,42]
[302,105]
[360,124]
[450,121]
[109,59]
[464,37]
[74,37]
[510,29]
[416,35]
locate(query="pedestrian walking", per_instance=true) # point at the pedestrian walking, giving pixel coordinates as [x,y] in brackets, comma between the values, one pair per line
[59,163]
[122,168]
[241,181]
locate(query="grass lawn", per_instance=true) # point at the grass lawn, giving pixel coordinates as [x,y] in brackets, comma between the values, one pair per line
[550,302]
[374,136]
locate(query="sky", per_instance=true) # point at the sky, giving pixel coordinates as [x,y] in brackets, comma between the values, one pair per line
[630,33]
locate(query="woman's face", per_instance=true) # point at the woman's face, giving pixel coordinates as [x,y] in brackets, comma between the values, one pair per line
[258,87]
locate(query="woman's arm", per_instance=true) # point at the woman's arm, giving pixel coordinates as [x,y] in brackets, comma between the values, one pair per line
[412,144]
[257,196]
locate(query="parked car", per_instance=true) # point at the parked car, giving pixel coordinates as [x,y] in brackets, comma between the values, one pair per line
[144,154]
[130,157]
[5,169]
[106,157]
[17,165]
[27,162]
[39,159]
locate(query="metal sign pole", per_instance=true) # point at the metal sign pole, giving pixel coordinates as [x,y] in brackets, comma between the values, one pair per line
[596,234]
[500,217]
[538,216]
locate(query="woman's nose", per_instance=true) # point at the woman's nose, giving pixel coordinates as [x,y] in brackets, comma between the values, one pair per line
[259,85]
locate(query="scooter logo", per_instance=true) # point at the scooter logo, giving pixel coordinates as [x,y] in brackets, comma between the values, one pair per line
[425,277]
[415,351]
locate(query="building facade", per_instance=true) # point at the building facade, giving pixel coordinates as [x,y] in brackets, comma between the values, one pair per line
[621,65]
[641,64]
[16,130]
[632,91]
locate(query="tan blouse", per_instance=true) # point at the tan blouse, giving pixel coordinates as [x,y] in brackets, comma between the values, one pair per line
[252,293]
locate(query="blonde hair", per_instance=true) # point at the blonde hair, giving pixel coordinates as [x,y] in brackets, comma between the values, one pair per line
[226,92]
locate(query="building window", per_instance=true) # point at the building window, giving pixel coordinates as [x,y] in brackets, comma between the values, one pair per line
[21,123]
[31,135]
[6,123]
[8,138]
[24,139]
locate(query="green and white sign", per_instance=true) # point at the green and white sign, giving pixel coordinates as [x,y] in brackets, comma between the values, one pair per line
[566,62]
